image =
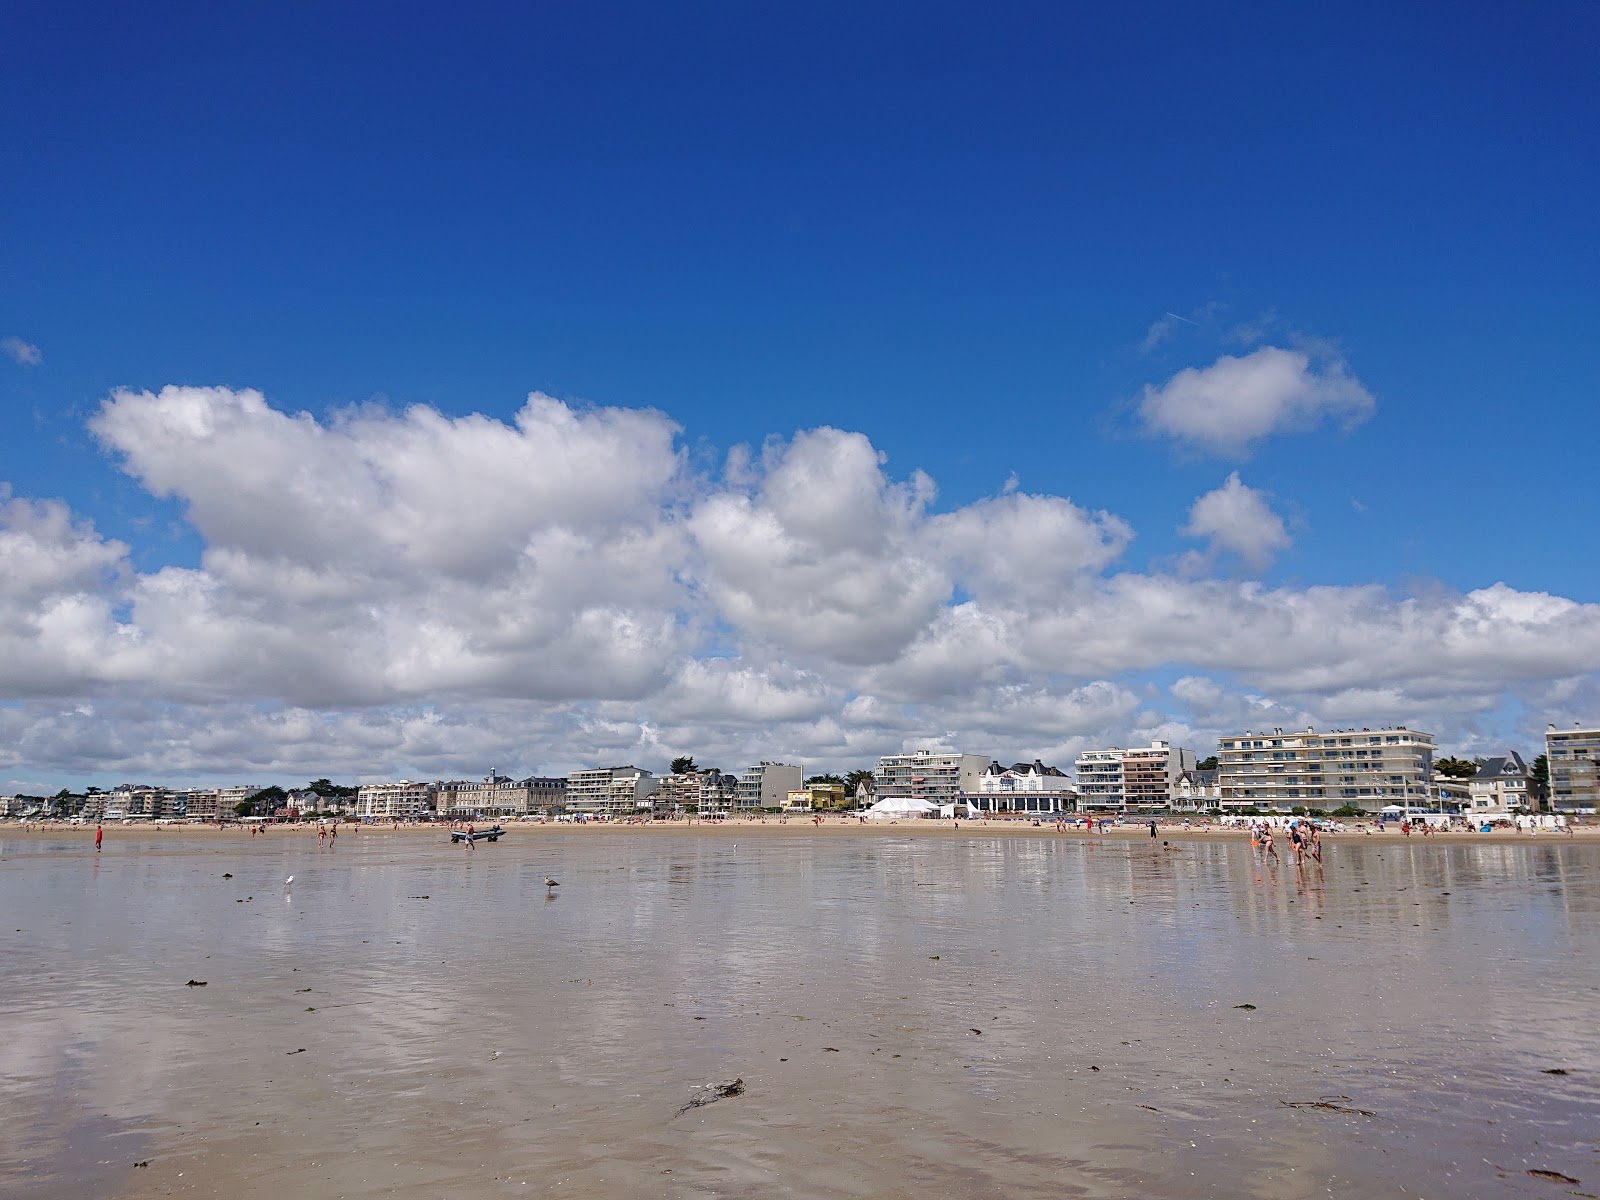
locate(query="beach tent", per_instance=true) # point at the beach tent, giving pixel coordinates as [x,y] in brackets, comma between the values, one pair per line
[965,809]
[900,807]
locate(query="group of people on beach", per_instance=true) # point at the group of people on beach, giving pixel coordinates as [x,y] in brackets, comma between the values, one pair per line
[1305,838]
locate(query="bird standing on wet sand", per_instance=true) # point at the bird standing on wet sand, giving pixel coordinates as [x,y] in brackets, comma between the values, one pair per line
[551,883]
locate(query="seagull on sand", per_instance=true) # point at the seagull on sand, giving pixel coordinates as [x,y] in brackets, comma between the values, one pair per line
[551,883]
[288,881]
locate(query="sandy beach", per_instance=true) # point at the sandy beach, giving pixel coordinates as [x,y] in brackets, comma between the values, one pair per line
[518,829]
[909,1011]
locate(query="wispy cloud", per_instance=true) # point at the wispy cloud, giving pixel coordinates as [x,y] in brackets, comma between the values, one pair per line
[24,353]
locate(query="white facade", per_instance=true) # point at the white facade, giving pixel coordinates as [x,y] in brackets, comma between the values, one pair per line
[1363,768]
[767,785]
[610,791]
[1025,787]
[402,801]
[933,775]
[1100,779]
[1138,777]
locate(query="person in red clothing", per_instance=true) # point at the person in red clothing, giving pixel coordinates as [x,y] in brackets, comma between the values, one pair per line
[99,832]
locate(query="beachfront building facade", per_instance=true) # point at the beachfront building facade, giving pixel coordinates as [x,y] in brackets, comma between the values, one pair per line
[817,797]
[401,801]
[1574,759]
[201,804]
[610,791]
[1100,779]
[1196,790]
[1368,769]
[767,785]
[1151,773]
[1136,778]
[1503,784]
[1025,788]
[937,776]
[695,791]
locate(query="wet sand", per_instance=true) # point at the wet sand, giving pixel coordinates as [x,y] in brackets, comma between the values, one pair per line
[912,1013]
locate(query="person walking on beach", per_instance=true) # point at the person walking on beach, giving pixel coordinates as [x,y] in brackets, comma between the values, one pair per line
[1267,848]
[469,835]
[1152,829]
[333,836]
[99,833]
[322,833]
[1316,844]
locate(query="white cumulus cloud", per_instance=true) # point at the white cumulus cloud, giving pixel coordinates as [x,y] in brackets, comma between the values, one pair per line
[1235,402]
[1237,519]
[413,594]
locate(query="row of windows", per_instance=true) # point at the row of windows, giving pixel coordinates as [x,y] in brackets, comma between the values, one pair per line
[1264,743]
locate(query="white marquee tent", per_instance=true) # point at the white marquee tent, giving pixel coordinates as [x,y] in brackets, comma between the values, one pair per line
[893,808]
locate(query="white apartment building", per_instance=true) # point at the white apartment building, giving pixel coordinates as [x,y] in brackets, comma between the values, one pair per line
[495,796]
[402,801]
[610,791]
[1138,777]
[1100,779]
[767,785]
[1574,758]
[1025,787]
[1503,784]
[1364,768]
[937,776]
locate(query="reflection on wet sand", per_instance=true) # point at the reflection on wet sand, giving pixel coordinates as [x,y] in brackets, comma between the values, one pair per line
[910,1015]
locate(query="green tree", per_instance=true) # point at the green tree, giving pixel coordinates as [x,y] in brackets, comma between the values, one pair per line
[326,787]
[268,800]
[1207,764]
[854,780]
[245,808]
[824,779]
[684,765]
[1455,768]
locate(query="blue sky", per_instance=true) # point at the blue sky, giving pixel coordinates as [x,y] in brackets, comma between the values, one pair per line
[1332,271]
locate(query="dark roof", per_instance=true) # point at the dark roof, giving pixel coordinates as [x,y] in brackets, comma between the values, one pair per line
[1504,766]
[1022,768]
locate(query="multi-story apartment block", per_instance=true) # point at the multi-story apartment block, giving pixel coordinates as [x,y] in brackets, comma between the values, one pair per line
[696,791]
[229,798]
[1574,759]
[1150,773]
[936,776]
[1503,784]
[767,785]
[1025,787]
[610,791]
[1363,768]
[203,804]
[1100,779]
[1139,777]
[402,801]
